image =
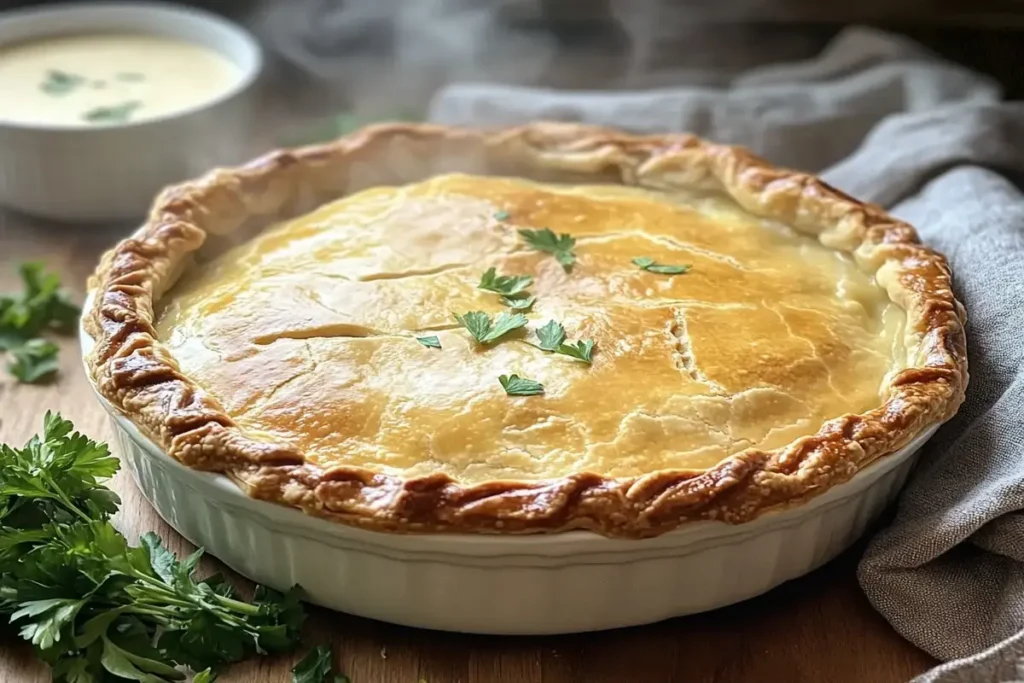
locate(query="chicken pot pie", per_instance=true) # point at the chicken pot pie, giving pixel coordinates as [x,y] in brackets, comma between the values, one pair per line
[552,327]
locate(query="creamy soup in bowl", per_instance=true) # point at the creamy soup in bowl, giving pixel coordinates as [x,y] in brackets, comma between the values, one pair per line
[108,78]
[104,104]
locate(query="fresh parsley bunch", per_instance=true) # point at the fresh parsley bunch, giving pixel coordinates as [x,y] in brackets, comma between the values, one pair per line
[42,307]
[98,610]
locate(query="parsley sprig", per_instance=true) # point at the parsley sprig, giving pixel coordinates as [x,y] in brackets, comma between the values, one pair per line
[317,667]
[551,335]
[581,350]
[98,610]
[523,303]
[514,385]
[431,342]
[561,245]
[511,287]
[34,361]
[41,307]
[552,338]
[486,331]
[648,264]
[508,285]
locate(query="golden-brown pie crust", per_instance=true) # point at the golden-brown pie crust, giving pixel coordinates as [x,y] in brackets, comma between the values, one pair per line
[137,374]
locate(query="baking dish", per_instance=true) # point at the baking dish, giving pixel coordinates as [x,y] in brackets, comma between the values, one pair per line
[535,584]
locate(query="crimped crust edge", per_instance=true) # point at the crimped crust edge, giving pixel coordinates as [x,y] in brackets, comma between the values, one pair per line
[139,376]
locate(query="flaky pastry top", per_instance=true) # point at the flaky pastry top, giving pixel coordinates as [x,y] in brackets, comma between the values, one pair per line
[812,335]
[308,334]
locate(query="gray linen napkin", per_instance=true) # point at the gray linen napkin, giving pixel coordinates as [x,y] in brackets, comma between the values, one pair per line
[807,115]
[889,123]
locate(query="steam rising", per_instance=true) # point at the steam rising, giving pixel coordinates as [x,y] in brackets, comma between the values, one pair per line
[379,56]
[393,54]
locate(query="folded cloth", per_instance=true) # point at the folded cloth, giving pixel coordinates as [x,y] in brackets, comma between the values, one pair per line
[807,115]
[885,121]
[949,572]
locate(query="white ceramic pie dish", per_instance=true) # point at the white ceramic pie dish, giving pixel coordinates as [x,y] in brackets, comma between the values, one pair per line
[111,172]
[538,584]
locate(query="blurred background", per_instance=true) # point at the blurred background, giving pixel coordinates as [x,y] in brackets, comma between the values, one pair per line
[385,58]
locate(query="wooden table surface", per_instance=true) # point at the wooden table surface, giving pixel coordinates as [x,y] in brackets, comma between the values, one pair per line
[816,629]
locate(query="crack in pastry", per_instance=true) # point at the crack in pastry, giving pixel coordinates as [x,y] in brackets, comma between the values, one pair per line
[684,354]
[662,240]
[412,272]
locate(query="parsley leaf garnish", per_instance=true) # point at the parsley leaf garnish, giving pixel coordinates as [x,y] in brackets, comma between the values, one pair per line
[514,385]
[60,82]
[560,245]
[484,330]
[42,306]
[430,342]
[96,608]
[314,667]
[581,350]
[512,287]
[509,285]
[552,338]
[34,361]
[519,303]
[648,264]
[117,113]
[317,667]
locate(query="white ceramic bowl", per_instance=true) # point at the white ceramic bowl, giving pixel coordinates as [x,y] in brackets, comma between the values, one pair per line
[542,584]
[112,172]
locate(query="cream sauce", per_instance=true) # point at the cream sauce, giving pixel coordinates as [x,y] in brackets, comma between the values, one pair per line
[108,79]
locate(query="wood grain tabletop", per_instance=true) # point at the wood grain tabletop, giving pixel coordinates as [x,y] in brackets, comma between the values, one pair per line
[817,629]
